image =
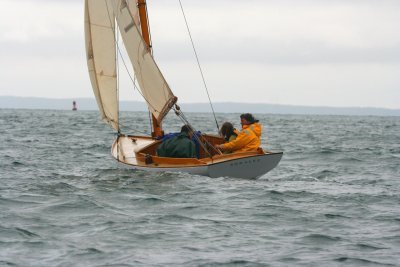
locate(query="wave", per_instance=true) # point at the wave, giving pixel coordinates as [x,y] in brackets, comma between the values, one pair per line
[369,247]
[363,262]
[321,238]
[334,216]
[238,262]
[25,232]
[331,201]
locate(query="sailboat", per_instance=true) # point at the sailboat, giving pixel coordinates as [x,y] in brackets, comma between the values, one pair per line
[103,18]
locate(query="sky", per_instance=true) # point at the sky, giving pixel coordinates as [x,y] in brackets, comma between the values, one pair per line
[339,53]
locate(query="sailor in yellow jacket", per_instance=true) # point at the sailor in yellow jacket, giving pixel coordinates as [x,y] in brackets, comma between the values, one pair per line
[248,139]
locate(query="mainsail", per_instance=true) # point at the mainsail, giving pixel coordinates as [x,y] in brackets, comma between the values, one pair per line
[154,88]
[101,57]
[100,17]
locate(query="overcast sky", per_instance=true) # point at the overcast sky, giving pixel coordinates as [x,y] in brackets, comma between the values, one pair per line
[300,52]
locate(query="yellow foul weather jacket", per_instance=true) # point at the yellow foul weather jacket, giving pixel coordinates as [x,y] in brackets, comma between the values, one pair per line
[248,139]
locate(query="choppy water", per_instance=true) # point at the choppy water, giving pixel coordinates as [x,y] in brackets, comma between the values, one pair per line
[334,200]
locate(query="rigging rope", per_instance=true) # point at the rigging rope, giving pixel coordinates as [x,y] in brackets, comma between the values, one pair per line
[204,142]
[123,60]
[133,80]
[118,83]
[178,112]
[198,63]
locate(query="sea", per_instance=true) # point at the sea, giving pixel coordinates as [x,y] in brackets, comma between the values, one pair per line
[333,200]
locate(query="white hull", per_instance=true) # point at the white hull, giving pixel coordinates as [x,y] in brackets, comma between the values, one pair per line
[248,166]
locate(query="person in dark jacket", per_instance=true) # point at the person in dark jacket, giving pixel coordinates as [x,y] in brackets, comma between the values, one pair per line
[179,146]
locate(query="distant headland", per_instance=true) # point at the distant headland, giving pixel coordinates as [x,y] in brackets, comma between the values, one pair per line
[13,102]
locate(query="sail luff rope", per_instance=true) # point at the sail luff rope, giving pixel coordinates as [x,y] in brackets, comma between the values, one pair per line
[148,26]
[118,83]
[118,79]
[198,63]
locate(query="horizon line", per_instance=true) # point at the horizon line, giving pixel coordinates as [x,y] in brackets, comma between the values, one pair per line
[207,103]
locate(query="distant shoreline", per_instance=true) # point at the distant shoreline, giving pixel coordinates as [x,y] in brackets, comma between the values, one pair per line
[13,102]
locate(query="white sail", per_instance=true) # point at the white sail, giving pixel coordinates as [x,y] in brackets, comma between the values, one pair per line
[101,57]
[154,88]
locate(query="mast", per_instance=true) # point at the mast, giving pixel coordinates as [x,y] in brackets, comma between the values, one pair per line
[144,23]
